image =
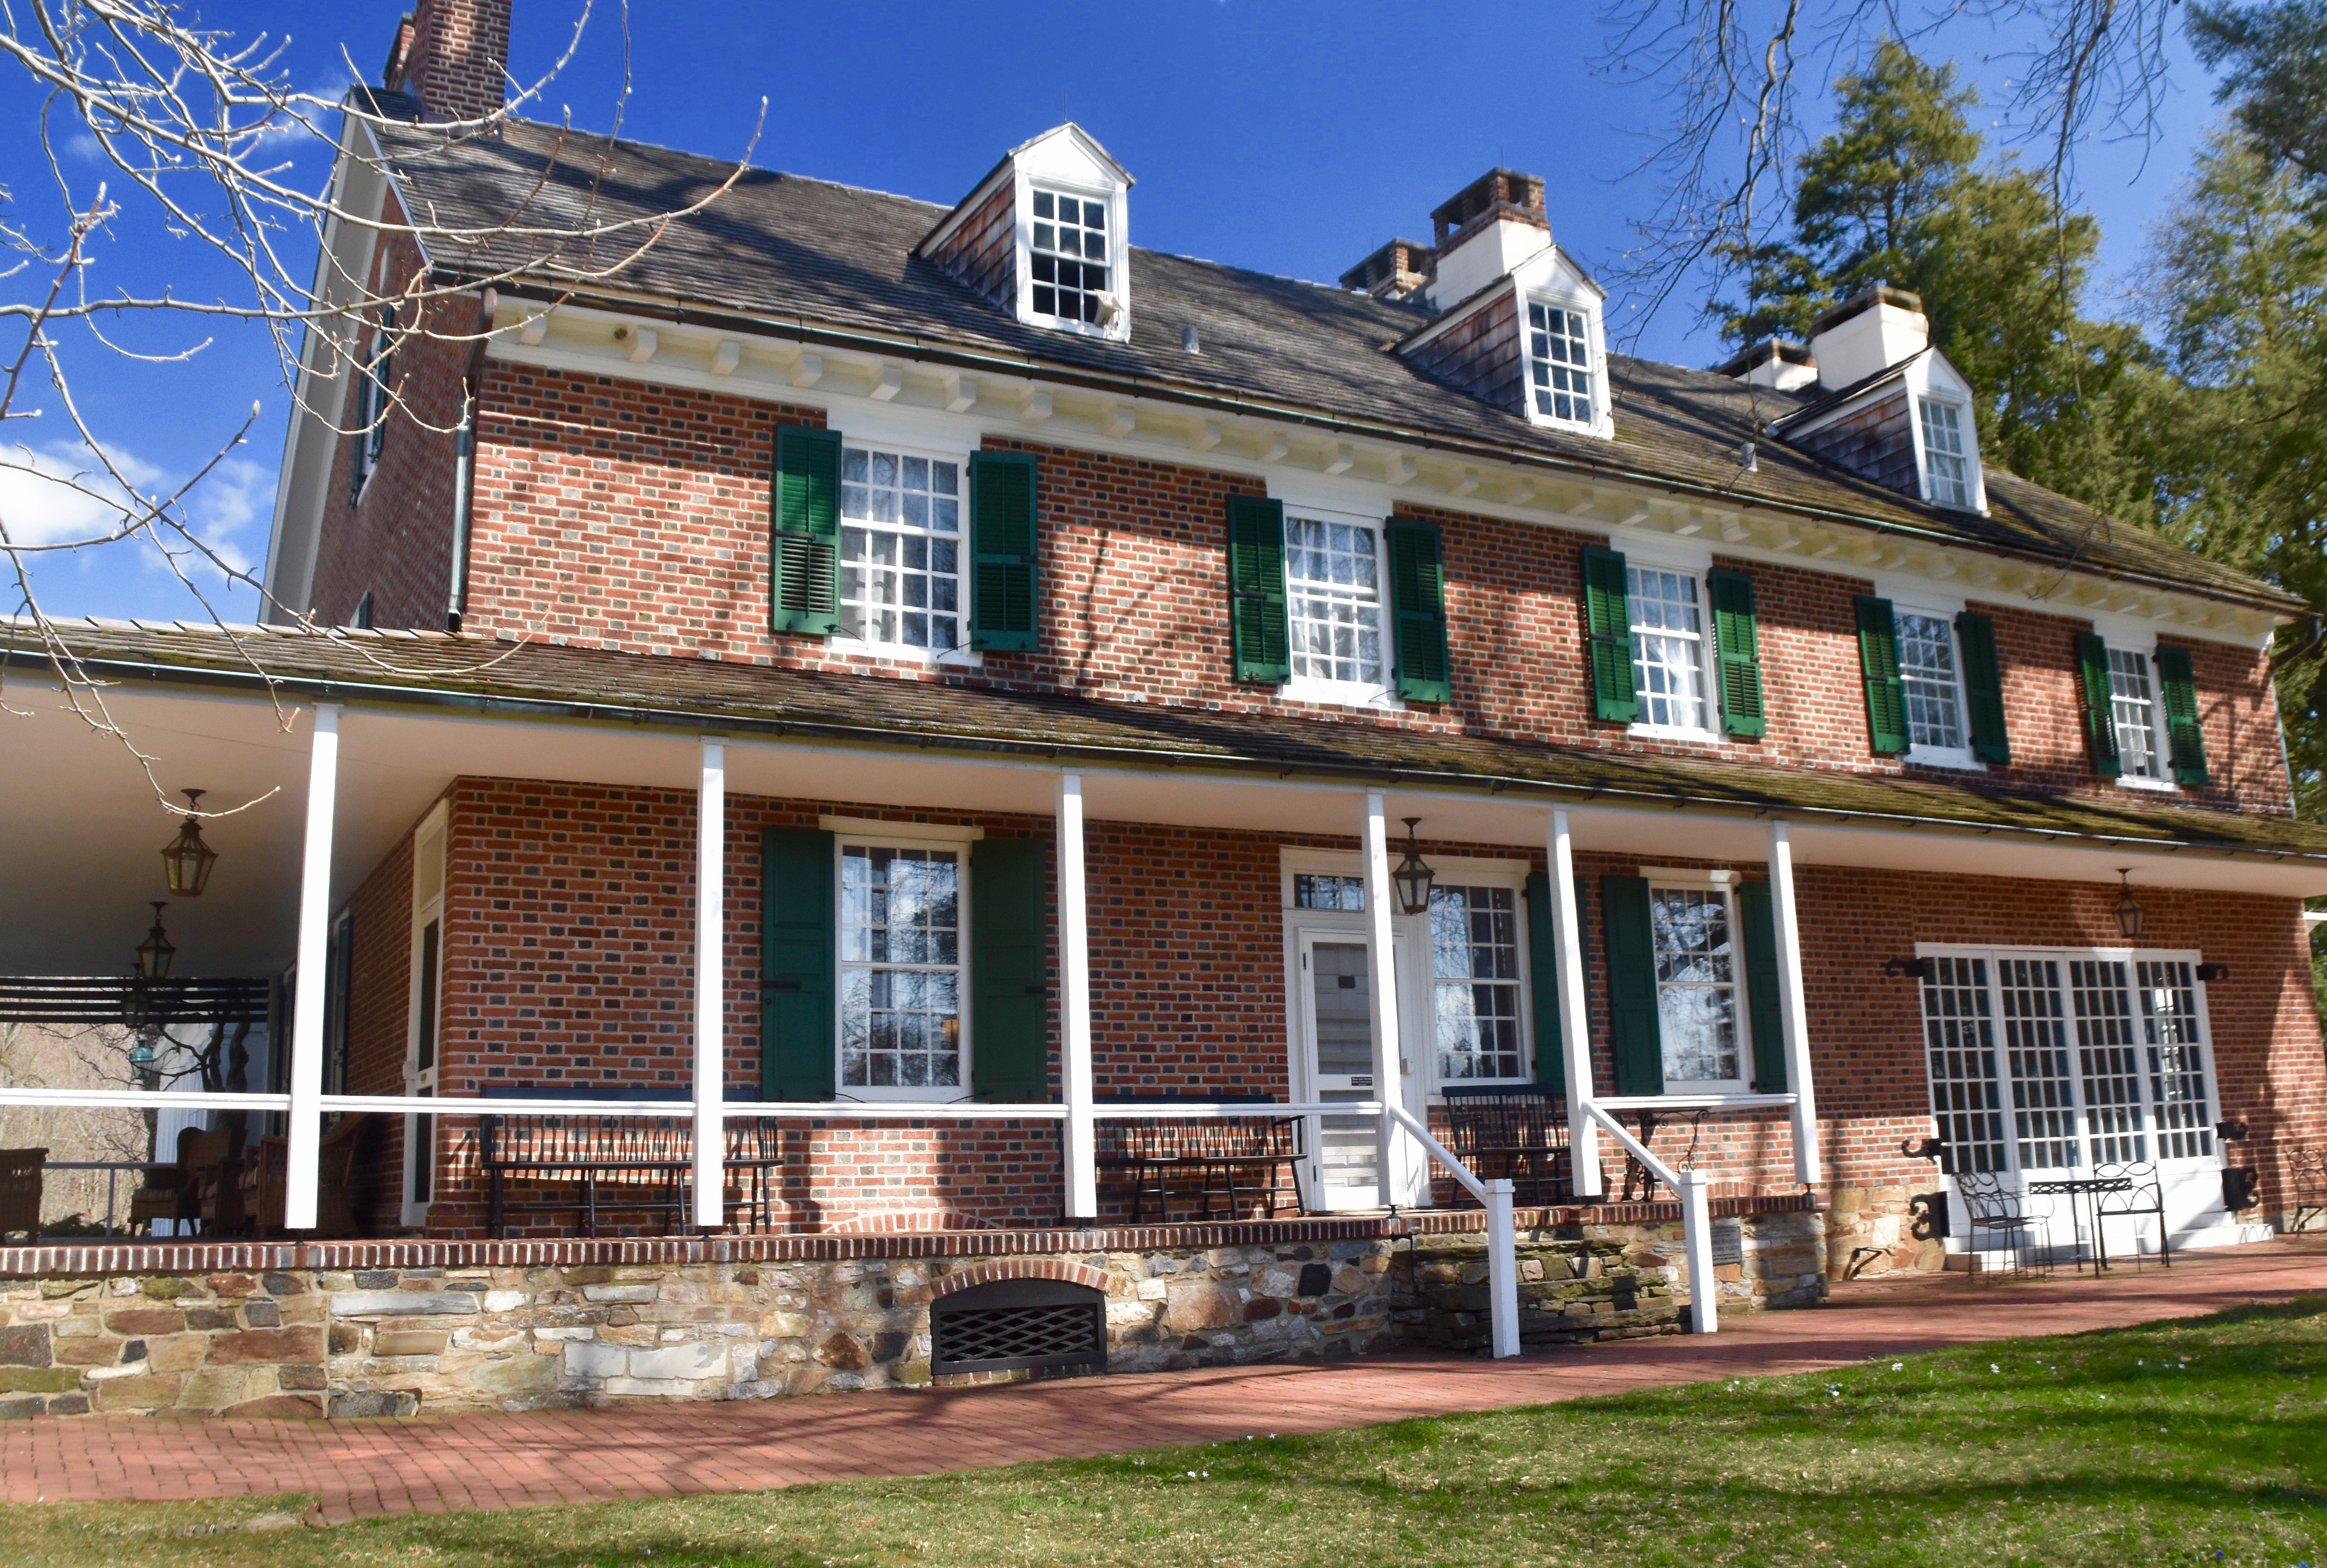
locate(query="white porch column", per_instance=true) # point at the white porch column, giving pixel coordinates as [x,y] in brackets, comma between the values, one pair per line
[710,990]
[1575,1032]
[306,1121]
[1402,1174]
[1074,1007]
[1792,1006]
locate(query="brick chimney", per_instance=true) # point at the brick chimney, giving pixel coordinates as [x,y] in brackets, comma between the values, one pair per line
[453,56]
[1489,227]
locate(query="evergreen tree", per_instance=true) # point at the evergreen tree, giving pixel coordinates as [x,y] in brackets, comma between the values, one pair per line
[2276,57]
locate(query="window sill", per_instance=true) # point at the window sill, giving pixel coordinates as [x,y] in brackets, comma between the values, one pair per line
[906,653]
[1673,732]
[934,1095]
[2157,785]
[1945,757]
[1343,693]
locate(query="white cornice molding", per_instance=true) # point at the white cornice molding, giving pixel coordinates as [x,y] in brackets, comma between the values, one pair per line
[775,369]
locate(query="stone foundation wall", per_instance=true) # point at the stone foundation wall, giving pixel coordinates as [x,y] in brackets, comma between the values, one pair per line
[1581,1281]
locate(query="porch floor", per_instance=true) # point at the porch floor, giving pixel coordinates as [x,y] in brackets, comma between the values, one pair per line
[497,1461]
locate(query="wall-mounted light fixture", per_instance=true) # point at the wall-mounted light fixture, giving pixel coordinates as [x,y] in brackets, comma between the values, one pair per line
[2209,972]
[2230,1132]
[1910,968]
[1929,1149]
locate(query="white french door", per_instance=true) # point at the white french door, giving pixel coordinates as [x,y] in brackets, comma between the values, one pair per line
[2047,1064]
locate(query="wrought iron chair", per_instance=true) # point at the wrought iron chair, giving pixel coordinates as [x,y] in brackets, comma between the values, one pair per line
[1994,1208]
[2146,1195]
[20,1192]
[1519,1133]
[2308,1166]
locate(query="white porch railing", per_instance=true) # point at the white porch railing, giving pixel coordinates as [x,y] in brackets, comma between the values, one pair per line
[1696,1211]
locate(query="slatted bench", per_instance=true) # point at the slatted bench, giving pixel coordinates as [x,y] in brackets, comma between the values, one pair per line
[1224,1161]
[1516,1131]
[582,1149]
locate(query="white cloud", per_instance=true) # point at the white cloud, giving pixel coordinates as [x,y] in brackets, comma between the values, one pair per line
[60,494]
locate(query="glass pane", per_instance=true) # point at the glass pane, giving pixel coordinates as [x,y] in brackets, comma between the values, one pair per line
[1341,997]
[1927,670]
[1334,600]
[2173,1038]
[900,941]
[1474,957]
[1667,648]
[1697,991]
[1959,1034]
[2036,1048]
[2105,1058]
[897,507]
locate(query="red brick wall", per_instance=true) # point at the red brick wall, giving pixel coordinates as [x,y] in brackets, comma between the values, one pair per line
[616,514]
[458,54]
[378,1022]
[395,540]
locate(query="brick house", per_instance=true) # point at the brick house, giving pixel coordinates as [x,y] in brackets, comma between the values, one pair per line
[869,653]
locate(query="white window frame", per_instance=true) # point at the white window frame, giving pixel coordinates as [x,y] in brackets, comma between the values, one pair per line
[1931,378]
[374,366]
[1595,352]
[906,836]
[1957,757]
[1118,272]
[1723,883]
[2160,745]
[2080,1111]
[430,863]
[1926,460]
[858,434]
[1707,659]
[1380,695]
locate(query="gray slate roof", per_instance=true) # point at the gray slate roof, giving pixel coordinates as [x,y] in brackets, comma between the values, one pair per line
[841,259]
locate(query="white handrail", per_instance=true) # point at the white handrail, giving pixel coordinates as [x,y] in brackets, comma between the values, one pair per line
[1502,1237]
[1695,1219]
[516,1105]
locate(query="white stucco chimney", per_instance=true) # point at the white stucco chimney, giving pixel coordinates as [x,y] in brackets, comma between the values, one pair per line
[1495,223]
[1867,333]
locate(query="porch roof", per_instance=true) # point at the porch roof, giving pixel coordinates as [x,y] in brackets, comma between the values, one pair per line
[543,681]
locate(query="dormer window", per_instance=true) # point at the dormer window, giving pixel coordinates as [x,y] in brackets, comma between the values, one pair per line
[1072,258]
[1946,475]
[1559,363]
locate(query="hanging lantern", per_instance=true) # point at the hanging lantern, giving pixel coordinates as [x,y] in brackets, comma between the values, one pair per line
[2129,911]
[1413,876]
[186,857]
[142,1054]
[154,952]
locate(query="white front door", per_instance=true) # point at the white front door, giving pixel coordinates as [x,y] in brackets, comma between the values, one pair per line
[1337,1046]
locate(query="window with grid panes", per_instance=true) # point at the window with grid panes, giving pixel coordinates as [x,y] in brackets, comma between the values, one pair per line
[1944,458]
[1959,1035]
[2173,1039]
[1696,983]
[1559,363]
[2109,1061]
[1311,891]
[1334,607]
[1927,678]
[2036,1051]
[1667,648]
[900,549]
[1474,961]
[900,967]
[2133,704]
[1071,255]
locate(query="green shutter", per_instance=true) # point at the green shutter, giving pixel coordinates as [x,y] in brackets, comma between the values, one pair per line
[1634,1033]
[2100,713]
[1417,578]
[1256,622]
[1543,976]
[1737,644]
[1001,534]
[1009,970]
[1984,685]
[1878,661]
[797,1039]
[2185,738]
[1762,1008]
[804,545]
[1608,636]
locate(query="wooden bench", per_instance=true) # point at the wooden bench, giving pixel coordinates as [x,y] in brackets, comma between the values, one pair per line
[1224,1160]
[1512,1130]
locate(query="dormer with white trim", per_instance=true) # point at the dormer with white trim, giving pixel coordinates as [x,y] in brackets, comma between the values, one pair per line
[1519,323]
[1045,235]
[1893,409]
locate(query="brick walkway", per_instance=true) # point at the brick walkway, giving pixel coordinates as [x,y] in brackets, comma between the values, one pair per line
[497,1461]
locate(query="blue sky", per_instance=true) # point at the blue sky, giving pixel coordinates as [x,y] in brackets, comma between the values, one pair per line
[1289,138]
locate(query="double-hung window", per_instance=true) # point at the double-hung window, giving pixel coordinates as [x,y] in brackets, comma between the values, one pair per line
[1669,649]
[1072,257]
[1334,604]
[900,967]
[1932,684]
[2046,1062]
[374,378]
[1474,964]
[1947,467]
[1559,363]
[900,549]
[2133,707]
[1697,1002]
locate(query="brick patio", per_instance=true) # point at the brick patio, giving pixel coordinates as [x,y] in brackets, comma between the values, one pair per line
[493,1460]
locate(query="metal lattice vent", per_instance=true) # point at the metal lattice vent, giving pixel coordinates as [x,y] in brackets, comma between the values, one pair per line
[1018,1324]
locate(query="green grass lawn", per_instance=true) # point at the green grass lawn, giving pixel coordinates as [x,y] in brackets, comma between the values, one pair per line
[2199,1443]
